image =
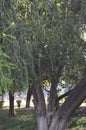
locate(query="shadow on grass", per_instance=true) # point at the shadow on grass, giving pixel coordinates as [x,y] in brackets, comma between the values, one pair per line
[24,120]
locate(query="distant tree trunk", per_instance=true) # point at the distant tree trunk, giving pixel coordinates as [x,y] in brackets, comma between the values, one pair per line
[29,93]
[11,104]
[75,98]
[3,95]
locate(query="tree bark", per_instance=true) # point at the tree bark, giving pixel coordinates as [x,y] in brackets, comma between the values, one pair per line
[54,83]
[53,92]
[40,107]
[59,121]
[75,98]
[11,104]
[52,97]
[29,93]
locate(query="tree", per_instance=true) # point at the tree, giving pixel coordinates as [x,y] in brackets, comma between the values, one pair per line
[63,52]
[46,43]
[10,45]
[68,52]
[5,65]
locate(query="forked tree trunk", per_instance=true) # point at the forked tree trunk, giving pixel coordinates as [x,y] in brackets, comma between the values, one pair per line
[11,104]
[73,101]
[59,121]
[29,93]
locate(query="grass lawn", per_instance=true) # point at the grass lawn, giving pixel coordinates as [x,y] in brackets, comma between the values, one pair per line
[25,120]
[77,123]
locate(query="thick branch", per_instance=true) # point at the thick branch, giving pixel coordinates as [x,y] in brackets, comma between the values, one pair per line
[64,95]
[73,101]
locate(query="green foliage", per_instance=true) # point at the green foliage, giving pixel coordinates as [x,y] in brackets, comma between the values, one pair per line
[5,66]
[11,46]
[38,36]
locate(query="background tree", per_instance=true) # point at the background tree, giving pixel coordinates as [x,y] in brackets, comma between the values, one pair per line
[10,45]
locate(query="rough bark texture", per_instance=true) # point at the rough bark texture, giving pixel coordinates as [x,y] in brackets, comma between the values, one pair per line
[11,104]
[29,93]
[73,101]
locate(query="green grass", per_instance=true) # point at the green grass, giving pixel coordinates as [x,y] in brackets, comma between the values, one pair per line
[24,120]
[77,123]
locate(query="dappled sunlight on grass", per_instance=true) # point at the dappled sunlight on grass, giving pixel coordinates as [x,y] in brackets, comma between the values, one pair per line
[77,123]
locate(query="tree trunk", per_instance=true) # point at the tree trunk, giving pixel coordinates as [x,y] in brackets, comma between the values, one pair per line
[54,82]
[52,101]
[29,93]
[2,95]
[53,96]
[75,98]
[42,122]
[11,104]
[40,107]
